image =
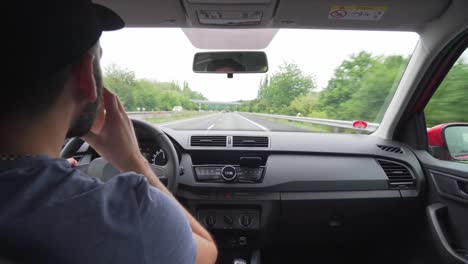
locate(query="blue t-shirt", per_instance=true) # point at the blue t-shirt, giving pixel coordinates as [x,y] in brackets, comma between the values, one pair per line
[52,213]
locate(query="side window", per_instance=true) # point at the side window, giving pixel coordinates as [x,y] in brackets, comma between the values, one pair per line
[447,115]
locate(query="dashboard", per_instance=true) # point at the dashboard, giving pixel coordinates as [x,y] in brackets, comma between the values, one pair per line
[255,189]
[259,189]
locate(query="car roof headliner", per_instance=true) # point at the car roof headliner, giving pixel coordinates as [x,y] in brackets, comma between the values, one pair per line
[401,15]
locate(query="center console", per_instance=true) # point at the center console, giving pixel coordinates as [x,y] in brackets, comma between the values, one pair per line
[236,219]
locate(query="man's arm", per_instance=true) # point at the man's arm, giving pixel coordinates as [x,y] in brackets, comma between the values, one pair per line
[206,248]
[113,137]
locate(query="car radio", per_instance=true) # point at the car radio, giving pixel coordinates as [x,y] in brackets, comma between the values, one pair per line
[228,173]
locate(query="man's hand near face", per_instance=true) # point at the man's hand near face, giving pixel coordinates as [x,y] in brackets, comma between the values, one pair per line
[113,137]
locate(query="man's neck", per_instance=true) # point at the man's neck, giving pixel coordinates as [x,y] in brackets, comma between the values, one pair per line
[41,136]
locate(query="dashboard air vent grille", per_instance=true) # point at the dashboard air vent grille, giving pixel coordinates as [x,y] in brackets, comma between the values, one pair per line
[208,141]
[247,141]
[391,149]
[399,176]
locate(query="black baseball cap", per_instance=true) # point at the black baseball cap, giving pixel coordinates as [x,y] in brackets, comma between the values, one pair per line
[51,34]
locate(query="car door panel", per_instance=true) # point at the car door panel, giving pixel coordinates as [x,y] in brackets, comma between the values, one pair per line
[447,209]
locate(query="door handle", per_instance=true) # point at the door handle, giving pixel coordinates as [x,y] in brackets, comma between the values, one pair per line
[434,214]
[450,186]
[462,189]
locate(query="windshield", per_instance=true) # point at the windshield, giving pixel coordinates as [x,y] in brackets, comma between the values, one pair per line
[318,81]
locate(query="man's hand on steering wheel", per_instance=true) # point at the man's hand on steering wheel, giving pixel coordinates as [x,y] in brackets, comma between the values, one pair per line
[113,136]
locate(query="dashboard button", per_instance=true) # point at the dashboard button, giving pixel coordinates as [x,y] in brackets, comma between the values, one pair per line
[228,173]
[254,174]
[242,241]
[208,173]
[228,220]
[210,220]
[245,220]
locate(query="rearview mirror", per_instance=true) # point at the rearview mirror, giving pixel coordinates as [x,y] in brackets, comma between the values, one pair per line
[230,62]
[456,138]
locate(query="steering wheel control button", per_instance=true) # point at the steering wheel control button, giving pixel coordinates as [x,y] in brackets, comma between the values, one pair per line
[229,173]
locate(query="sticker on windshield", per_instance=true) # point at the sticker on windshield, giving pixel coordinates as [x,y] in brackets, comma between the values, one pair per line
[353,12]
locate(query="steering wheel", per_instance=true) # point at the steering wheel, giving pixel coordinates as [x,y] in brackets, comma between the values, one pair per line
[102,169]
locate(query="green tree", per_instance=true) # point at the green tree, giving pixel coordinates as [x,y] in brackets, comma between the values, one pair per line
[360,88]
[277,92]
[139,94]
[345,82]
[306,105]
[450,102]
[121,81]
[374,90]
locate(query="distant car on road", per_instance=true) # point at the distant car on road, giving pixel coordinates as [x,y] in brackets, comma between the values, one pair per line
[177,108]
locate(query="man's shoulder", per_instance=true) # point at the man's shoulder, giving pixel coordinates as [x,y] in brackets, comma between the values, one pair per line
[62,183]
[123,212]
[165,233]
[125,185]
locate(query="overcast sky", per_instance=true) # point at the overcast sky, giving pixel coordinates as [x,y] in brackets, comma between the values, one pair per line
[167,55]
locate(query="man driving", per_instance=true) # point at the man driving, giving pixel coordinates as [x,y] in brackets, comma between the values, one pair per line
[51,212]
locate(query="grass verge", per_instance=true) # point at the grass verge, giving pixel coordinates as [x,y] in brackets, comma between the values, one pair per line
[175,116]
[313,127]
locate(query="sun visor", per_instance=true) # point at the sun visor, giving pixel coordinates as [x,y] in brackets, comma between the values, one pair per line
[230,39]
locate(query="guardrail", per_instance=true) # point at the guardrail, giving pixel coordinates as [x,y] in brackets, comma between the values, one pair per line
[327,122]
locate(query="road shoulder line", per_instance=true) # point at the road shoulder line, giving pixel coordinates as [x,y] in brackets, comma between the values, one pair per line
[184,120]
[254,123]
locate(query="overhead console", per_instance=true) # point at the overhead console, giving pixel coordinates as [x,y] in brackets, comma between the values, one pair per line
[230,12]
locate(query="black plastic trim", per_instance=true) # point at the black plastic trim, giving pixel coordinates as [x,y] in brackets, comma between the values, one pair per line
[434,213]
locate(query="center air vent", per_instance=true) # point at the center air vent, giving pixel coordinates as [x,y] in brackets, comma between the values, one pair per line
[244,141]
[208,141]
[391,149]
[399,176]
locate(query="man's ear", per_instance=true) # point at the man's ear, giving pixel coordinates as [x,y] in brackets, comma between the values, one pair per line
[83,74]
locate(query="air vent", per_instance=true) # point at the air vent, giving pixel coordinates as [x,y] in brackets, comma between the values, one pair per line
[256,142]
[208,141]
[391,149]
[399,176]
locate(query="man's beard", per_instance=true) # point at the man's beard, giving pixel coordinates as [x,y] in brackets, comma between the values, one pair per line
[83,123]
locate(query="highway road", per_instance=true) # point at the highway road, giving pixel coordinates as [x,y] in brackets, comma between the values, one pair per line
[230,121]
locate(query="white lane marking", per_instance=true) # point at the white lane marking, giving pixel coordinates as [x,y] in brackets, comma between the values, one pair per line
[210,127]
[257,124]
[184,120]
